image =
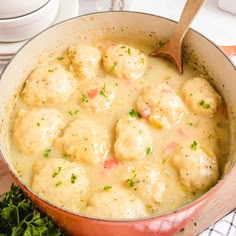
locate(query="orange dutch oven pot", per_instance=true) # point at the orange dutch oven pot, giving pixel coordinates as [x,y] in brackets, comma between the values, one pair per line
[140,26]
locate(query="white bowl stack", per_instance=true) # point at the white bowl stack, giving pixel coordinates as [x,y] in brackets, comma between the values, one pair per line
[228,6]
[22,20]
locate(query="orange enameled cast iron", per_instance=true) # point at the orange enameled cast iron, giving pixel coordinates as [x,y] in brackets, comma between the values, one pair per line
[138,26]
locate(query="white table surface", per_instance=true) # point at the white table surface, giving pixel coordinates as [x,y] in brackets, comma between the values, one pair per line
[219,26]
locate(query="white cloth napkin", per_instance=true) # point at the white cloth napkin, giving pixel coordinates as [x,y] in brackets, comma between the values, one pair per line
[224,227]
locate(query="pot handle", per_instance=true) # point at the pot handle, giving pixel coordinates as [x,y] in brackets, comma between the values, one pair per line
[230,51]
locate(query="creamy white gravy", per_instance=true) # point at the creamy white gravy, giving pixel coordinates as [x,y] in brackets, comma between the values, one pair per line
[209,131]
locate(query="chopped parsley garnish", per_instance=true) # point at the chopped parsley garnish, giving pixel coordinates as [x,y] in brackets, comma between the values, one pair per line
[194,145]
[129,51]
[38,124]
[131,181]
[56,172]
[46,152]
[134,113]
[73,178]
[142,60]
[190,123]
[60,58]
[113,67]
[107,187]
[148,150]
[84,98]
[204,104]
[123,46]
[103,91]
[140,131]
[65,155]
[50,70]
[58,183]
[73,112]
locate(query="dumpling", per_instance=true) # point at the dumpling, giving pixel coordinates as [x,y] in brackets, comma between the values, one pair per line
[34,130]
[133,139]
[146,183]
[84,140]
[124,61]
[48,85]
[197,166]
[61,182]
[85,60]
[161,106]
[116,203]
[200,96]
[98,97]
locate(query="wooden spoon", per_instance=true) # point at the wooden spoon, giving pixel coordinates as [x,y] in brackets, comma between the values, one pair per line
[173,49]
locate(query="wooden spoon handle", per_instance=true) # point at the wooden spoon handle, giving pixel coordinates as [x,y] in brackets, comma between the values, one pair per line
[190,10]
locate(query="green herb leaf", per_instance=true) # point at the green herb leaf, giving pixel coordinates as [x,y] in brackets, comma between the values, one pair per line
[148,150]
[46,153]
[204,104]
[56,172]
[65,155]
[134,113]
[103,91]
[113,67]
[73,178]
[107,187]
[142,60]
[84,98]
[58,183]
[194,145]
[129,51]
[60,58]
[131,181]
[50,70]
[73,112]
[18,216]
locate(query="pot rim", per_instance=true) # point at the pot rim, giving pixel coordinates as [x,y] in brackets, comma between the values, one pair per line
[197,201]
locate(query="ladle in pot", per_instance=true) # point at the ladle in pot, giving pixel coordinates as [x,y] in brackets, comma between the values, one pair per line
[173,49]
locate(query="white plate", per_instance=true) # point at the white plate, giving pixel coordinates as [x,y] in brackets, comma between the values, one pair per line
[3,62]
[67,9]
[5,57]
